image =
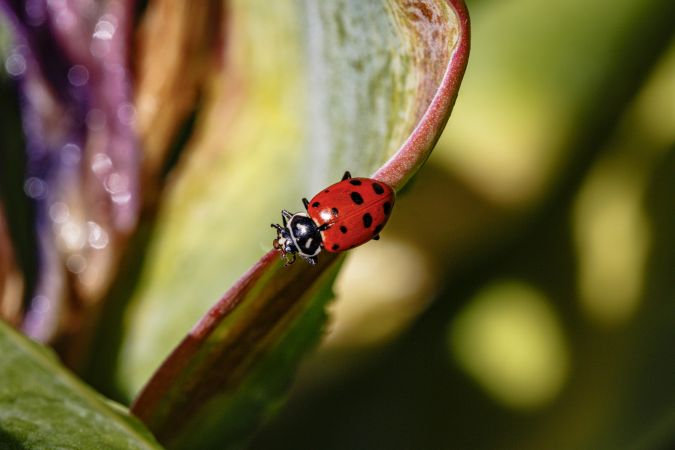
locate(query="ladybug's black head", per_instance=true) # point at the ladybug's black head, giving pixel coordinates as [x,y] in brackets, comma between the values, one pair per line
[298,235]
[283,241]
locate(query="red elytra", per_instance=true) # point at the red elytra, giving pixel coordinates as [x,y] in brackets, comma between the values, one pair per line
[351,212]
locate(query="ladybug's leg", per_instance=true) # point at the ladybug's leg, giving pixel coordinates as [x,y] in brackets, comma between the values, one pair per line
[285,216]
[376,237]
[305,202]
[346,176]
[290,260]
[312,260]
[279,229]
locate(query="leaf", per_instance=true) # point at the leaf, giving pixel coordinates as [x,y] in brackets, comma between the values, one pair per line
[44,406]
[235,360]
[350,85]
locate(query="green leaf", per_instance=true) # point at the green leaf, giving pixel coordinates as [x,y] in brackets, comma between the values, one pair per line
[229,371]
[43,406]
[269,134]
[307,90]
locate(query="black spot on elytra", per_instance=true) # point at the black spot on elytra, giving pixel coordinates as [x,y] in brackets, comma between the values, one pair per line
[335,247]
[334,211]
[315,204]
[343,229]
[355,182]
[377,230]
[327,191]
[386,207]
[379,190]
[367,220]
[356,198]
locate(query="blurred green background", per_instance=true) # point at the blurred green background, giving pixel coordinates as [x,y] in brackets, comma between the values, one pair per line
[525,290]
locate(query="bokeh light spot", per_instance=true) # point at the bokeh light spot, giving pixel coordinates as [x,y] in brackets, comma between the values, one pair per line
[126,114]
[78,75]
[15,65]
[76,263]
[101,164]
[105,30]
[98,238]
[35,188]
[35,12]
[71,154]
[612,239]
[368,312]
[59,212]
[72,236]
[509,340]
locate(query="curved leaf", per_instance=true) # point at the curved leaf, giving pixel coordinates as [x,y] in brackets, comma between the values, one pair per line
[44,406]
[235,361]
[353,83]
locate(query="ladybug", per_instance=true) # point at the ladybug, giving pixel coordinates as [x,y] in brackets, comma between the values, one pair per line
[342,216]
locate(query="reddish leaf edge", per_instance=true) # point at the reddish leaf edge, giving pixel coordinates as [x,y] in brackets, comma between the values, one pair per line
[220,366]
[153,392]
[396,172]
[414,152]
